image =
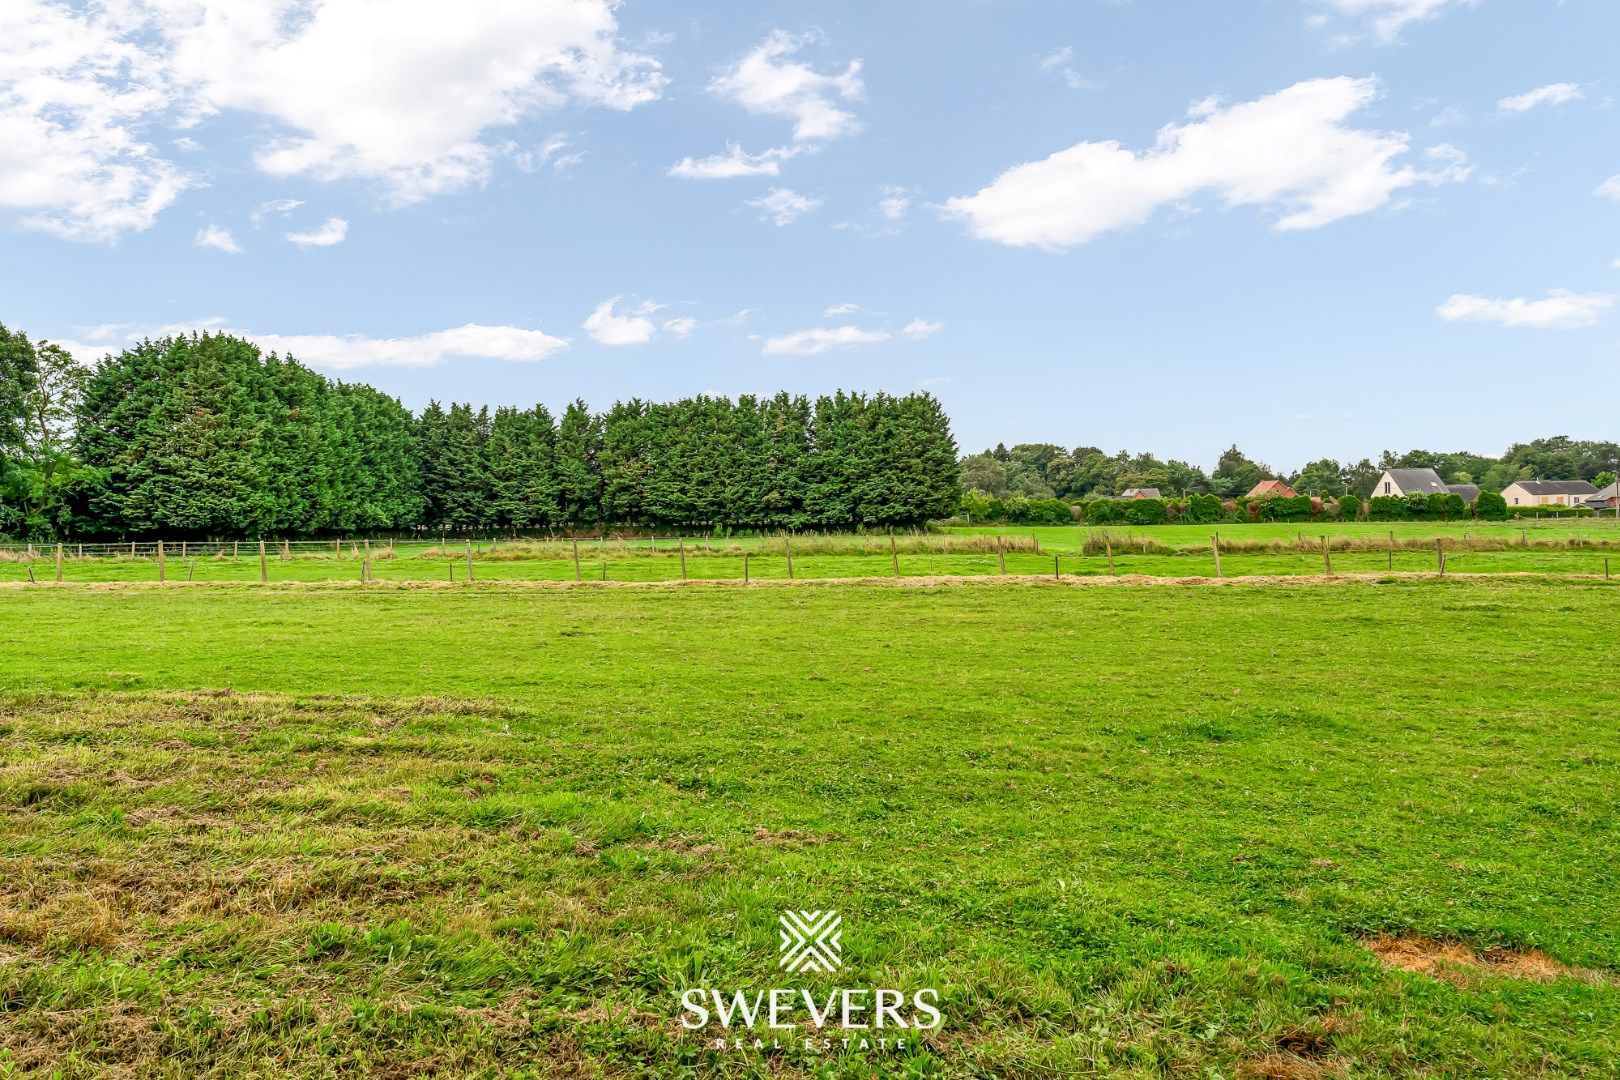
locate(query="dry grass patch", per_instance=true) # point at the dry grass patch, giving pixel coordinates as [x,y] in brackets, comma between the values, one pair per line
[1463,966]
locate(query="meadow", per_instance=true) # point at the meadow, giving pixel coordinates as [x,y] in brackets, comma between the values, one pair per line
[1358,829]
[1580,547]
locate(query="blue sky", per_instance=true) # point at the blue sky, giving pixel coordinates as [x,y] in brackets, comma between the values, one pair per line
[1311,227]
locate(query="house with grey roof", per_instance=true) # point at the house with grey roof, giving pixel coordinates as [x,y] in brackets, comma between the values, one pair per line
[1606,499]
[1548,493]
[1469,492]
[1400,482]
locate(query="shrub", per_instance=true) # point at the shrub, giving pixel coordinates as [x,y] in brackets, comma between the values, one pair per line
[1044,512]
[1490,506]
[1349,507]
[1105,511]
[1145,512]
[1387,508]
[1289,507]
[1204,509]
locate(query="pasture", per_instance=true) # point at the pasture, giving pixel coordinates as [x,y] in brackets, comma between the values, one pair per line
[1578,547]
[1252,831]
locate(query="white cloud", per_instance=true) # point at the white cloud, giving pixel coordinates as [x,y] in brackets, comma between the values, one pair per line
[784,206]
[921,328]
[838,310]
[1560,310]
[510,343]
[895,203]
[607,326]
[680,327]
[342,351]
[1385,18]
[822,339]
[1552,94]
[402,98]
[548,152]
[735,162]
[765,81]
[334,230]
[1609,187]
[1290,153]
[217,236]
[1058,60]
[75,100]
[279,207]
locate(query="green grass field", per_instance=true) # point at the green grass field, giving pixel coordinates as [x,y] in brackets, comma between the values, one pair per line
[1577,547]
[1143,831]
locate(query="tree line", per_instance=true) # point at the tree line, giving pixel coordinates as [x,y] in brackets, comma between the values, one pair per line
[205,436]
[1048,471]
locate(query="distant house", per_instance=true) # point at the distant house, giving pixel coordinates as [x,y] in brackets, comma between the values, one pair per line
[1140,493]
[1400,482]
[1548,493]
[1271,489]
[1607,499]
[1469,492]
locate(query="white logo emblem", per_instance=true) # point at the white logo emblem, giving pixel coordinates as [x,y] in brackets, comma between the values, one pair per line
[810,941]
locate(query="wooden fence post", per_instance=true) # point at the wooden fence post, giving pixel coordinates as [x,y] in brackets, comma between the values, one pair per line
[1055,573]
[1108,544]
[1605,568]
[286,550]
[191,569]
[894,555]
[1037,543]
[235,554]
[683,560]
[264,565]
[1327,555]
[469,561]
[576,561]
[789,538]
[59,564]
[1439,555]
[604,569]
[745,568]
[1214,545]
[160,561]
[1001,556]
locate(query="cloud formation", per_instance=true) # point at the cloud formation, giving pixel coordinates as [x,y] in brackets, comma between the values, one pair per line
[217,237]
[822,339]
[402,102]
[1552,94]
[1384,19]
[784,206]
[334,230]
[1559,310]
[1291,153]
[767,82]
[513,344]
[734,163]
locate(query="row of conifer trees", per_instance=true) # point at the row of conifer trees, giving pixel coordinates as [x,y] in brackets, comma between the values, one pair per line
[203,435]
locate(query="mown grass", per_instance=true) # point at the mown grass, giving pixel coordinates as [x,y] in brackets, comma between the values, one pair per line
[496,830]
[1172,551]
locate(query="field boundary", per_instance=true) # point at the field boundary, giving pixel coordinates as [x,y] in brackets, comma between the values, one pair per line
[914,581]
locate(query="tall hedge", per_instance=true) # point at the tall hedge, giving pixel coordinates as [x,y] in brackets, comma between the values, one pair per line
[205,436]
